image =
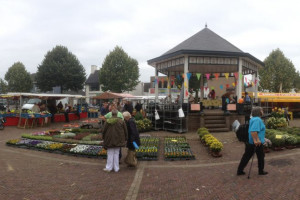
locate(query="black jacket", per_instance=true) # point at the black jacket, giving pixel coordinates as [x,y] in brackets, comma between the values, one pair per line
[133,134]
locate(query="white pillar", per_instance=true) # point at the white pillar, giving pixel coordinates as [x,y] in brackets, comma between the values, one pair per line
[169,84]
[186,82]
[156,85]
[239,81]
[87,93]
[255,76]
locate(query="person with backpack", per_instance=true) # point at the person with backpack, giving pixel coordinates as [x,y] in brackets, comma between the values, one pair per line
[256,139]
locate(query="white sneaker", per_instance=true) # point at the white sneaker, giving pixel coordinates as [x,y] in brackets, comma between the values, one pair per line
[106,170]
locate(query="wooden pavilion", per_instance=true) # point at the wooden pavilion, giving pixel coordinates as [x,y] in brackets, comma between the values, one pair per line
[207,53]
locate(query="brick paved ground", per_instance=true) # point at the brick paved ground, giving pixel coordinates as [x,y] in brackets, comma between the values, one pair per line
[29,175]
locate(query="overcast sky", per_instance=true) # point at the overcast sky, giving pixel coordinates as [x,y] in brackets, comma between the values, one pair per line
[90,29]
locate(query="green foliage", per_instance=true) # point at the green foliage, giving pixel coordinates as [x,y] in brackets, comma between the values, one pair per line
[119,72]
[202,132]
[60,68]
[278,74]
[18,78]
[274,123]
[3,86]
[290,139]
[297,82]
[37,137]
[138,116]
[143,125]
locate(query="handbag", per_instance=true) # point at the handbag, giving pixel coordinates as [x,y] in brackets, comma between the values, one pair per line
[131,159]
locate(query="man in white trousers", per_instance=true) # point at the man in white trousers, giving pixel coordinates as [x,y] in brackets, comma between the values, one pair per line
[115,136]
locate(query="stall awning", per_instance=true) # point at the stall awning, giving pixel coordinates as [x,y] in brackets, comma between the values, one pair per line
[112,95]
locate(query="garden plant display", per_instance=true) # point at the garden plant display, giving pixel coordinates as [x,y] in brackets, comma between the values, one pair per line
[214,145]
[284,137]
[148,149]
[83,142]
[177,148]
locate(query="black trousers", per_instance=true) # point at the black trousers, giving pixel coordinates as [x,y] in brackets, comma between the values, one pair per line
[249,151]
[66,117]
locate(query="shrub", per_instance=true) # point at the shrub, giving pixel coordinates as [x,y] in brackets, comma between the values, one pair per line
[138,116]
[290,140]
[275,123]
[216,146]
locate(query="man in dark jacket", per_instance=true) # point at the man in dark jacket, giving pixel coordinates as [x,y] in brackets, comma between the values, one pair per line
[115,136]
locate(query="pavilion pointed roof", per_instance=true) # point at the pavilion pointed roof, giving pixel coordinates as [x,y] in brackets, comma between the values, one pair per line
[205,40]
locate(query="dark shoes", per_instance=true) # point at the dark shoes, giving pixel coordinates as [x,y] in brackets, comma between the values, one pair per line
[239,173]
[262,173]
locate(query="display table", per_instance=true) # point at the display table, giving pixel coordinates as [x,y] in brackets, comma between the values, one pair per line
[33,120]
[60,117]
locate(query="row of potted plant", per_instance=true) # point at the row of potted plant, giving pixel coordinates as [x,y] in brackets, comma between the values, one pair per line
[214,145]
[177,148]
[50,146]
[143,125]
[148,149]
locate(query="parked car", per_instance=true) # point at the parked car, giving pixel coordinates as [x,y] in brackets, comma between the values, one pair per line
[29,105]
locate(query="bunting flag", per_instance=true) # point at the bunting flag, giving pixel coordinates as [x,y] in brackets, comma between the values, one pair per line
[167,78]
[207,76]
[172,82]
[185,84]
[188,75]
[186,93]
[183,75]
[246,79]
[169,87]
[198,75]
[245,84]
[227,85]
[236,75]
[221,87]
[226,75]
[233,84]
[178,76]
[179,86]
[212,88]
[241,76]
[217,75]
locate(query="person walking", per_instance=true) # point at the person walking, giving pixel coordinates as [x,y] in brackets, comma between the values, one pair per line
[133,133]
[115,136]
[255,143]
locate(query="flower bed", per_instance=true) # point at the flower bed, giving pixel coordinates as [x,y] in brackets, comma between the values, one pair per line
[57,147]
[177,148]
[148,149]
[285,137]
[143,125]
[214,145]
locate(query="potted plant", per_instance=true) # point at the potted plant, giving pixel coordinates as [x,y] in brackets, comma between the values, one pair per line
[216,148]
[278,143]
[290,141]
[267,145]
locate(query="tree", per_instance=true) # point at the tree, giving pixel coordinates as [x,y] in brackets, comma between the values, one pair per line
[119,72]
[18,79]
[278,74]
[3,86]
[60,68]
